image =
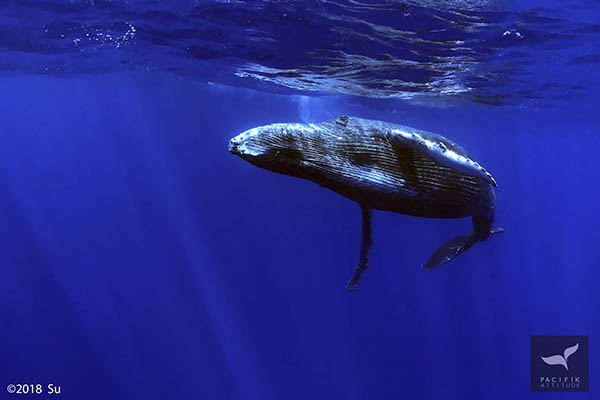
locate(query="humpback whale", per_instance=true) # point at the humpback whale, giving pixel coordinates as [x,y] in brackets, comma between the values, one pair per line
[381,166]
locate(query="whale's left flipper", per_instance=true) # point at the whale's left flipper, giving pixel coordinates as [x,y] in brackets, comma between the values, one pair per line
[365,245]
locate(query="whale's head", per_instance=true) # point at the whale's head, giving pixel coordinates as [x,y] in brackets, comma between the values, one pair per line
[276,147]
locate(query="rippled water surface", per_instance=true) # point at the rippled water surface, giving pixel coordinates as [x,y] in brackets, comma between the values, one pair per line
[482,51]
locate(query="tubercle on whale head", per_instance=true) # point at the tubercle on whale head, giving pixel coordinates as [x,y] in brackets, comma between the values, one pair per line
[274,147]
[242,144]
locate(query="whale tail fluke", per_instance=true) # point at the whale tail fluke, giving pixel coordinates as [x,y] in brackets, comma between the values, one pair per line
[449,250]
[455,247]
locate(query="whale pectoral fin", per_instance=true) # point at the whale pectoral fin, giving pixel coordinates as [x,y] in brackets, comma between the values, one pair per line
[353,284]
[495,230]
[365,246]
[449,250]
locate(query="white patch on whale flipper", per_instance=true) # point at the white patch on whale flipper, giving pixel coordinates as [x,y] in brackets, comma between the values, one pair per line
[443,151]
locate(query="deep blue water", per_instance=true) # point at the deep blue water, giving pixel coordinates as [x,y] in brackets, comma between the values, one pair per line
[139,259]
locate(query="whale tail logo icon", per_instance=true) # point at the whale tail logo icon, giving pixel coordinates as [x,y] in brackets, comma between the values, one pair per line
[561,360]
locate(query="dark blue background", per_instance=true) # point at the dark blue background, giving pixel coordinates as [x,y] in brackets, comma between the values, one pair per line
[139,259]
